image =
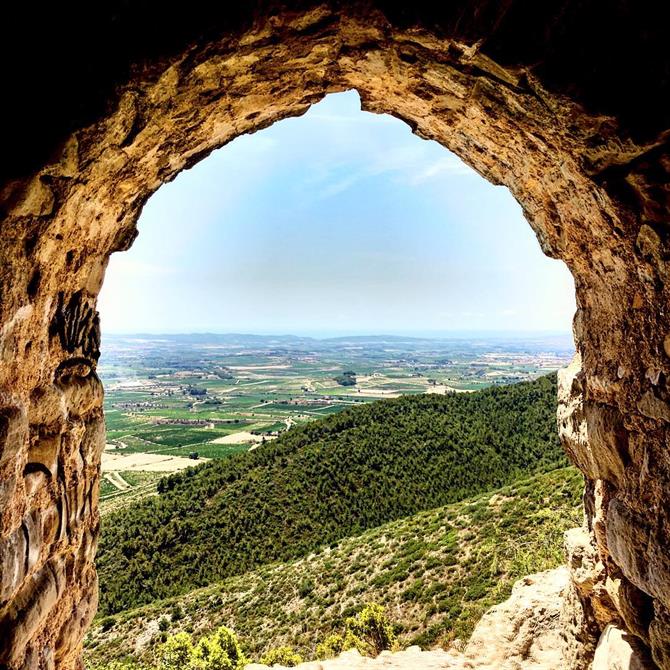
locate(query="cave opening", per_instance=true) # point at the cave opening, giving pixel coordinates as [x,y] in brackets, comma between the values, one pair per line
[588,173]
[258,278]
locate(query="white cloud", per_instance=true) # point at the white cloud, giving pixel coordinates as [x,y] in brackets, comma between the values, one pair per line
[449,165]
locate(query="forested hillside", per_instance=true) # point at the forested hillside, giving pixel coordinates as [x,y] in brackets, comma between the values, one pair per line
[322,482]
[434,572]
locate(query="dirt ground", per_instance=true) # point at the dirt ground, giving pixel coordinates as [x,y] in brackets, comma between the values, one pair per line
[146,462]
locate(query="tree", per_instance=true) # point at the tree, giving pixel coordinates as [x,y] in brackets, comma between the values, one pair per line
[175,653]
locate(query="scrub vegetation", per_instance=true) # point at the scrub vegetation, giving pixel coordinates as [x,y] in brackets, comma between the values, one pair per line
[434,573]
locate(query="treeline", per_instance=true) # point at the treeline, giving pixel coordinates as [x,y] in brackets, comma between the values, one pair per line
[321,482]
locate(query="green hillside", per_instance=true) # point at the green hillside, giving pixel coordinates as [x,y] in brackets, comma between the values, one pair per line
[322,482]
[435,572]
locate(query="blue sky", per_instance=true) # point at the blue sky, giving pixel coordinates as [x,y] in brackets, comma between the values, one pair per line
[338,221]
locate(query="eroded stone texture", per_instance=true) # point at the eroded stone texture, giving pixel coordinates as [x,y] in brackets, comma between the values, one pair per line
[500,84]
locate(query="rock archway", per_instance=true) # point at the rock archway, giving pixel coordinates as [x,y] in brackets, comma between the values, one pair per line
[533,98]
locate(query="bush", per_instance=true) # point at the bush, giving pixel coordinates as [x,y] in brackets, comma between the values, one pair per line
[226,640]
[107,623]
[372,626]
[281,656]
[163,623]
[175,653]
[335,644]
[115,665]
[219,651]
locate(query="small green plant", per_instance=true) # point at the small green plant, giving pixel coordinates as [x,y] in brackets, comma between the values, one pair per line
[372,626]
[175,653]
[281,656]
[107,623]
[218,651]
[335,644]
[163,624]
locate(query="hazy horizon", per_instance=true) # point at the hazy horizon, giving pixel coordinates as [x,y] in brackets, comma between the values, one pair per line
[329,334]
[339,221]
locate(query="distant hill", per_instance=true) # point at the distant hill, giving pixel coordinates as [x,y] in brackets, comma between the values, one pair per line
[435,572]
[322,482]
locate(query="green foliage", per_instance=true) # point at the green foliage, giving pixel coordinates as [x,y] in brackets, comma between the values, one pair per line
[420,568]
[335,644]
[318,483]
[175,653]
[108,622]
[372,626]
[281,656]
[116,665]
[347,378]
[370,632]
[226,640]
[219,651]
[330,647]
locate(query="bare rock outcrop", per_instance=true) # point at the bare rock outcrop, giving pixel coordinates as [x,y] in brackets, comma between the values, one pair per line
[564,103]
[524,632]
[619,650]
[410,658]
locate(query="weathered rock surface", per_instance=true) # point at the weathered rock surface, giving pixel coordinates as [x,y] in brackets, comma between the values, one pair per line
[619,650]
[400,660]
[563,102]
[525,630]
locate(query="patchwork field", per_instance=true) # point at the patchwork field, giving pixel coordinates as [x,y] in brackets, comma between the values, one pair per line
[173,401]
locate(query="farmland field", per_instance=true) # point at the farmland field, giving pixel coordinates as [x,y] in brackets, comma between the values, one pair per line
[175,400]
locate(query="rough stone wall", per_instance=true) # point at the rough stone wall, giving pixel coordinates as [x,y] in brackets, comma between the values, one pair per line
[594,189]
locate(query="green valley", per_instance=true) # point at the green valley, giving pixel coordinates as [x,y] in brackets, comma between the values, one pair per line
[321,482]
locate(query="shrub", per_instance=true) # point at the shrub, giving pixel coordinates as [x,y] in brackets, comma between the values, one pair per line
[115,665]
[107,623]
[219,651]
[175,653]
[163,623]
[281,656]
[335,644]
[372,626]
[226,640]
[305,588]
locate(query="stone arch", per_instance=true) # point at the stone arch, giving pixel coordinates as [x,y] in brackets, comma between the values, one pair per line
[591,177]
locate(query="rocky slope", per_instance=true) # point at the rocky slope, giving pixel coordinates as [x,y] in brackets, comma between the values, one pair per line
[435,573]
[523,633]
[526,632]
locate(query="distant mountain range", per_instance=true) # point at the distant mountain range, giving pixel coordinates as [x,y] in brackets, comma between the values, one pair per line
[530,342]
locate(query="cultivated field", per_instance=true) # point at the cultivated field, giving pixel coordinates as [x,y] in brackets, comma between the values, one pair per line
[173,401]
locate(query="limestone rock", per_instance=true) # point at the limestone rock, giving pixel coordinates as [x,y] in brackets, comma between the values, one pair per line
[409,659]
[524,632]
[618,650]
